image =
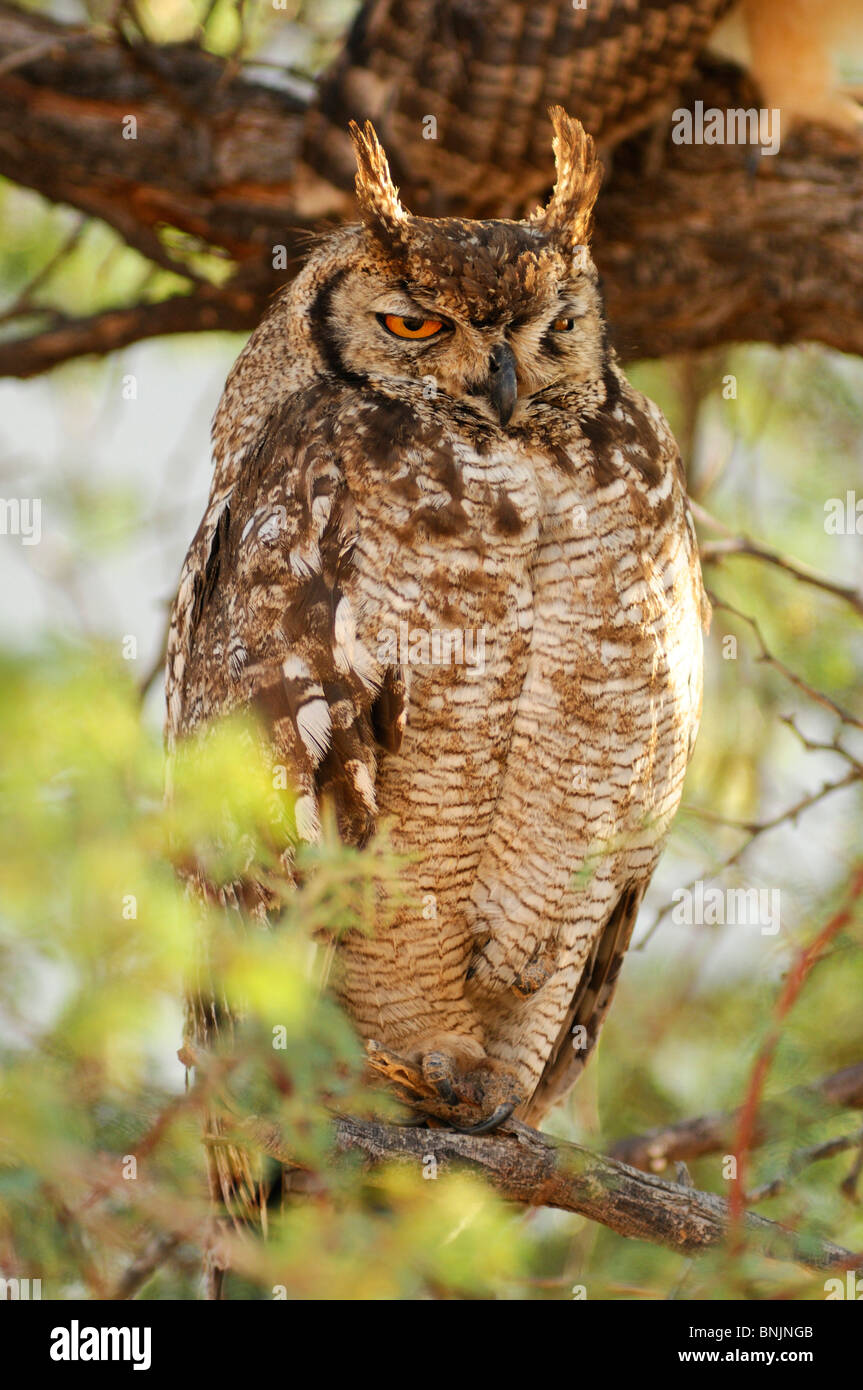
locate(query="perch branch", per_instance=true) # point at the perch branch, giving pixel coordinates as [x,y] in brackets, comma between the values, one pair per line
[533,1170]
[714,1133]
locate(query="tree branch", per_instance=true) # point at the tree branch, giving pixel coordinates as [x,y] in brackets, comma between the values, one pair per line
[227,309]
[767,656]
[143,1267]
[529,1168]
[698,246]
[715,1133]
[800,1159]
[207,156]
[716,551]
[806,958]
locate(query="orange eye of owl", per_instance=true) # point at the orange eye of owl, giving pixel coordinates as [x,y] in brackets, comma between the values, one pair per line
[411,328]
[562,325]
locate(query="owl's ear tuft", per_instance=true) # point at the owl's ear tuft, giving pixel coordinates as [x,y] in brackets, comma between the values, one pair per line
[377,195]
[579,175]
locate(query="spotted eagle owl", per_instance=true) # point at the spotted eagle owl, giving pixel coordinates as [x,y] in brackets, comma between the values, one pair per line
[447,557]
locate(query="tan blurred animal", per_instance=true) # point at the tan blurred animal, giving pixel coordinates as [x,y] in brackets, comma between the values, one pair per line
[793,49]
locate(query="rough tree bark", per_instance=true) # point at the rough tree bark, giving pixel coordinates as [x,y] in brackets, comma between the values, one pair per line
[531,1169]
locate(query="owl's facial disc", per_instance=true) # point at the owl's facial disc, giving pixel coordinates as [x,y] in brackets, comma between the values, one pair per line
[529,323]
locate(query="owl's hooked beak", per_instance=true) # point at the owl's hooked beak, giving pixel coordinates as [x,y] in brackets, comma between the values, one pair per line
[502,381]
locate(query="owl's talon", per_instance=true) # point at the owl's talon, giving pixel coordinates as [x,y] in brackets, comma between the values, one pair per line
[446,1093]
[494,1121]
[439,1072]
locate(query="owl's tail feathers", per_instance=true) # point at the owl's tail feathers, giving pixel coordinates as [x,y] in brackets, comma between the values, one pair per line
[238,1196]
[244,1182]
[239,1204]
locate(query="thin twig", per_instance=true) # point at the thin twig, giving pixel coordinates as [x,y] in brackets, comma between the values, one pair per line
[801,1159]
[143,1267]
[716,551]
[24,302]
[795,980]
[753,829]
[792,677]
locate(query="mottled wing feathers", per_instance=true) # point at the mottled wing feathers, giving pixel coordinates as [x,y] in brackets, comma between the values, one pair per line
[269,622]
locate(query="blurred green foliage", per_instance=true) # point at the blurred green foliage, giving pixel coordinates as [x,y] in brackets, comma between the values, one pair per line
[101,1157]
[97,942]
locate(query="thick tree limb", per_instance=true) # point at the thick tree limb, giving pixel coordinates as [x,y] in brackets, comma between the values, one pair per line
[531,1169]
[710,247]
[715,1133]
[699,245]
[228,309]
[211,156]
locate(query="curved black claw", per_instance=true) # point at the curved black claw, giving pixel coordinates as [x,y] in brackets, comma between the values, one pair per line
[502,1113]
[438,1069]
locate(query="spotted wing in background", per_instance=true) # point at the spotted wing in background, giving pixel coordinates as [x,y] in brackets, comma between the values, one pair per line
[458,91]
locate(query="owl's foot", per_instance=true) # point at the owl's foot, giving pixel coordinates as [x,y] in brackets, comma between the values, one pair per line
[473,1101]
[494,1121]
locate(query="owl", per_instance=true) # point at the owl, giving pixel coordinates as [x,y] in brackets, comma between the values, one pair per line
[447,560]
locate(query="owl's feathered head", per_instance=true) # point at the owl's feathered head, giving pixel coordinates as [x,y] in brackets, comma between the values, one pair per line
[503,317]
[486,265]
[565,218]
